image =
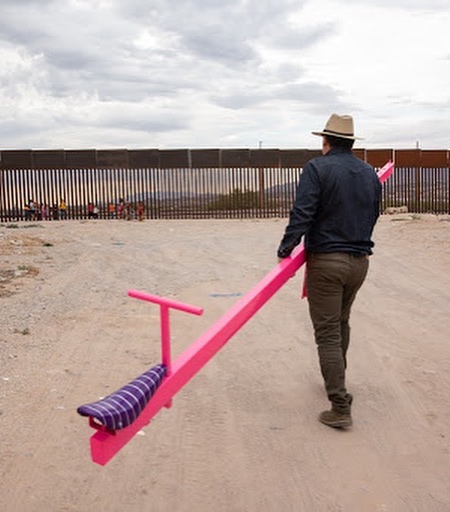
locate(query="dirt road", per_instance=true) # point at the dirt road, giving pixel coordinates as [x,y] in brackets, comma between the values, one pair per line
[243,435]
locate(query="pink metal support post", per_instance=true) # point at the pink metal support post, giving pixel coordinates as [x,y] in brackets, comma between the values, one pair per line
[165,305]
[105,444]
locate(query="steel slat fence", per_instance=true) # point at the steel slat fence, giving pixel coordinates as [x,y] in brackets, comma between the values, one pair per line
[186,184]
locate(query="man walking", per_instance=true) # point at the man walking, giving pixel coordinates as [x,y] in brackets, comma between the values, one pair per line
[336,207]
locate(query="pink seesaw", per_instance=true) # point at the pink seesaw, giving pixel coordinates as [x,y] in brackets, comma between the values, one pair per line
[121,415]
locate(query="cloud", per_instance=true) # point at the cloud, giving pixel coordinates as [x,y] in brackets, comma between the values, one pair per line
[215,42]
[227,34]
[138,118]
[202,72]
[407,5]
[310,96]
[109,48]
[309,92]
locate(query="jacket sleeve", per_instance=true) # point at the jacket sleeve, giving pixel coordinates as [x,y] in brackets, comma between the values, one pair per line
[303,212]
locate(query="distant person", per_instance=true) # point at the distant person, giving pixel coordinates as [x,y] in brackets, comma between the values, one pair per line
[63,209]
[336,207]
[44,211]
[92,211]
[141,211]
[127,212]
[32,209]
[121,209]
[111,210]
[27,212]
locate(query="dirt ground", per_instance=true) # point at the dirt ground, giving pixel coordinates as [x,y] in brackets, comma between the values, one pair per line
[243,434]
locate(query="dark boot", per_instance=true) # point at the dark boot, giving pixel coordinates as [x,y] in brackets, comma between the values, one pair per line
[335,419]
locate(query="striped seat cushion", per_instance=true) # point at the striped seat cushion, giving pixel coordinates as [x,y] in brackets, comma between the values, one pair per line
[121,408]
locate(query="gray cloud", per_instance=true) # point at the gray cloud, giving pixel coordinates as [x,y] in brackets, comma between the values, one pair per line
[138,118]
[421,5]
[207,30]
[241,99]
[115,71]
[311,96]
[303,37]
[89,49]
[216,43]
[308,92]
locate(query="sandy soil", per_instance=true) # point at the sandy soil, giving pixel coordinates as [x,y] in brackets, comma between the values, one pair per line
[243,434]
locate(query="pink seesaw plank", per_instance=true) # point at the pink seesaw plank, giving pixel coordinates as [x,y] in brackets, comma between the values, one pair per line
[385,172]
[105,445]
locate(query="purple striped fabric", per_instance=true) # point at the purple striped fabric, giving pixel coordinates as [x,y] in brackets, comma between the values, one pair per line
[121,408]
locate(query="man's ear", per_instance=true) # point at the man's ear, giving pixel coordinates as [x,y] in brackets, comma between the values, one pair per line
[325,145]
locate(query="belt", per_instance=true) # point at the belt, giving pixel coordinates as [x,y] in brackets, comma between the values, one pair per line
[356,255]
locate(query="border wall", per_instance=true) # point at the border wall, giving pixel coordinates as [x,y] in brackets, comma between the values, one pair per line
[198,183]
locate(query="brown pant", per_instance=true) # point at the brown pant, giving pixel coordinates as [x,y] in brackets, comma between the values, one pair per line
[332,282]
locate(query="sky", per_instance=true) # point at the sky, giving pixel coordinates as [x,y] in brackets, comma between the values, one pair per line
[166,74]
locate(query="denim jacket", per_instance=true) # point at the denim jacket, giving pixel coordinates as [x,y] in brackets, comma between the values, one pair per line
[336,206]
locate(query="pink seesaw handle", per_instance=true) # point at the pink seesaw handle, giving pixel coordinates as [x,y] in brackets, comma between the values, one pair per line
[165,305]
[163,301]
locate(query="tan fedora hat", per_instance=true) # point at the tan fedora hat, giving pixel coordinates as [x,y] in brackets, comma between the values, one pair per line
[339,126]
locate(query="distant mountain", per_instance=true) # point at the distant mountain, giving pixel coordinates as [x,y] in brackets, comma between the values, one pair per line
[163,196]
